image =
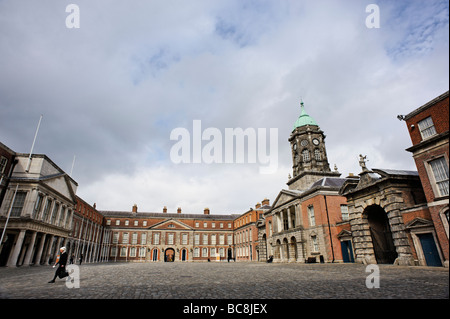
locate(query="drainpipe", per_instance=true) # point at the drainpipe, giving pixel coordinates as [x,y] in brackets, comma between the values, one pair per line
[329,228]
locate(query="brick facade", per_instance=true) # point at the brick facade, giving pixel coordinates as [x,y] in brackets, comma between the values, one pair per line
[426,150]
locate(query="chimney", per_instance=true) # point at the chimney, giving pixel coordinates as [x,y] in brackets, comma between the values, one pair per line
[179,210]
[134,209]
[165,209]
[265,202]
[206,211]
[258,205]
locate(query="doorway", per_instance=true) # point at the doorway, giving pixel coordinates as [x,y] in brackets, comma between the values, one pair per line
[169,255]
[430,250]
[380,231]
[155,255]
[183,255]
[347,251]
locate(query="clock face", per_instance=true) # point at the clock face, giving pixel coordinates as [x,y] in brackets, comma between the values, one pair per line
[315,141]
[304,143]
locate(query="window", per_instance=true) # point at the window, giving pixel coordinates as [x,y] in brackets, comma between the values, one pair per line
[344,212]
[117,222]
[37,206]
[196,239]
[440,172]
[205,239]
[204,252]
[133,252]
[197,224]
[426,128]
[143,238]
[213,252]
[134,238]
[205,225]
[123,251]
[229,225]
[48,204]
[221,225]
[315,245]
[3,162]
[113,251]
[156,238]
[144,223]
[196,252]
[108,222]
[312,218]
[127,222]
[115,238]
[305,155]
[19,200]
[142,251]
[230,239]
[213,225]
[213,239]
[125,238]
[170,239]
[184,239]
[222,239]
[317,155]
[61,216]
[136,223]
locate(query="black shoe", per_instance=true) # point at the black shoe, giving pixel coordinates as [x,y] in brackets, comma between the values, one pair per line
[51,281]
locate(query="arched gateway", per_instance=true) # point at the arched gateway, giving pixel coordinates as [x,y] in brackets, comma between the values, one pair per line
[377,203]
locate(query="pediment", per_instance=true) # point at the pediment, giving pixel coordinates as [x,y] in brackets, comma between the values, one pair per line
[284,196]
[61,184]
[171,224]
[419,222]
[344,233]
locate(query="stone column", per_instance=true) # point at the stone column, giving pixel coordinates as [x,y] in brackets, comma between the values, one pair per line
[29,254]
[49,249]
[288,212]
[37,260]
[12,261]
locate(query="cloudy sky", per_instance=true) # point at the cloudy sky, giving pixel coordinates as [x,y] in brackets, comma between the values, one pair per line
[112,91]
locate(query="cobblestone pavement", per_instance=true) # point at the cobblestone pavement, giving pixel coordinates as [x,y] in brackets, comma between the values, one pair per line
[226,281]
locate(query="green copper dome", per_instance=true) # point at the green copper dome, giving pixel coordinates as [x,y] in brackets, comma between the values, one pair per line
[304,119]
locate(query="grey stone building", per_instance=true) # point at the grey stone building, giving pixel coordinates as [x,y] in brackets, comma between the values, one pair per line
[38,208]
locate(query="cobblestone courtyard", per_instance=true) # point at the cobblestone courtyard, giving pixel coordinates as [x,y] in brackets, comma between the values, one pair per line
[226,281]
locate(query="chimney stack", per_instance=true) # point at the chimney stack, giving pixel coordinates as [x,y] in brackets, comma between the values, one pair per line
[134,209]
[206,211]
[265,202]
[165,209]
[258,205]
[179,210]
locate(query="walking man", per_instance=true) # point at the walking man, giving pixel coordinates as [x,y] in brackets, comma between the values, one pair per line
[61,260]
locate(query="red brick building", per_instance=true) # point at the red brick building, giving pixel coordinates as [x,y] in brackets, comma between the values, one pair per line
[428,128]
[164,236]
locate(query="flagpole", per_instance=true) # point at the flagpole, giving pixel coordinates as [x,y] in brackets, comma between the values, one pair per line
[32,146]
[73,163]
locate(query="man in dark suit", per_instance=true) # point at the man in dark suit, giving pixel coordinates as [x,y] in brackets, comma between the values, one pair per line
[61,260]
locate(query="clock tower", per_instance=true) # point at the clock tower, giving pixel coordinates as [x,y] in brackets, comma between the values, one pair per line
[309,156]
